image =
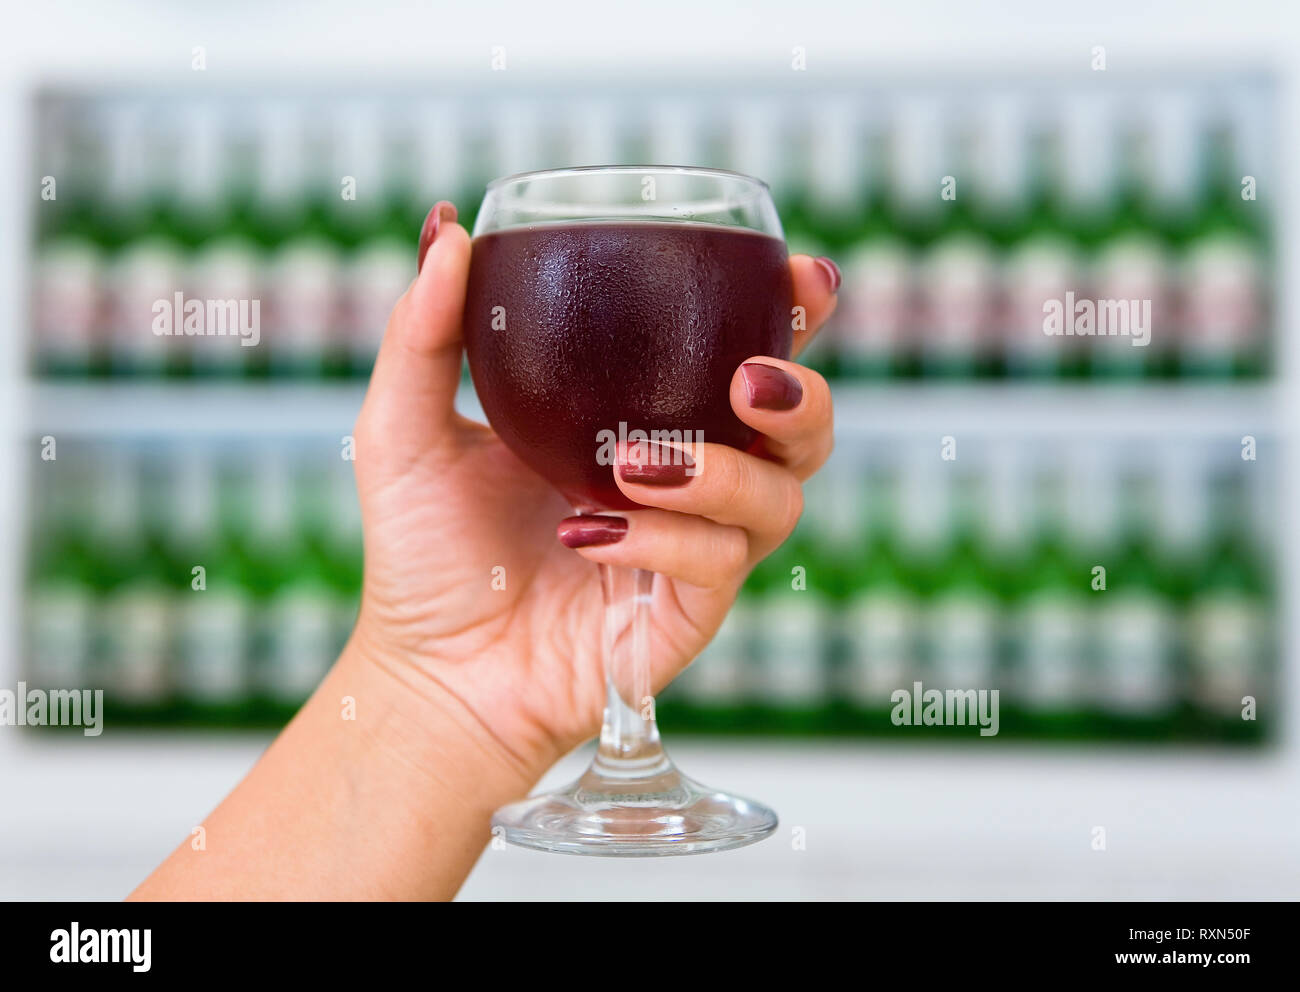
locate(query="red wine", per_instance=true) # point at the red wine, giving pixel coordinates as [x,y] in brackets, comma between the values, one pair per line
[581,328]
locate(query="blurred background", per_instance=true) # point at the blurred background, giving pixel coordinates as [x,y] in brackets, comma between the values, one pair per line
[984,471]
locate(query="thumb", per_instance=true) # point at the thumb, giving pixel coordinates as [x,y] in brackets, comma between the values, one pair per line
[410,403]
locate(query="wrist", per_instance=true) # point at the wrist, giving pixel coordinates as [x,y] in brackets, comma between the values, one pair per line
[424,718]
[380,788]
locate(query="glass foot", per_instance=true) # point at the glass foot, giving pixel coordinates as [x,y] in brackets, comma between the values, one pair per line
[665,814]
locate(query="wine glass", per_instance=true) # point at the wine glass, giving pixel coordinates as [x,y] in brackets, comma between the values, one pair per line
[603,302]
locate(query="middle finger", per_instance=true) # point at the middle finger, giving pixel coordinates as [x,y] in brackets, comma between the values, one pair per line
[715,481]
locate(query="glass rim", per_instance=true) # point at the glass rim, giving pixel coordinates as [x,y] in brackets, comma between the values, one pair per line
[681,170]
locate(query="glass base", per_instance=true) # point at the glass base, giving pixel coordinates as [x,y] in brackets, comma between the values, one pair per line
[646,816]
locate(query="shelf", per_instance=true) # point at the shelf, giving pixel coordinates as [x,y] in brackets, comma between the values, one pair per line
[993,410]
[864,411]
[186,409]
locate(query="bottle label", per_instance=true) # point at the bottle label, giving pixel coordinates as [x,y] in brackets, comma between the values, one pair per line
[137,630]
[215,631]
[301,633]
[66,303]
[1223,295]
[379,274]
[60,617]
[148,271]
[1134,268]
[224,270]
[305,280]
[962,634]
[1040,269]
[1051,634]
[879,632]
[1134,668]
[794,634]
[717,677]
[877,294]
[1228,638]
[960,276]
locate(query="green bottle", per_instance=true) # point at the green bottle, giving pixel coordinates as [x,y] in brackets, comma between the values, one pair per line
[711,694]
[70,259]
[1049,619]
[915,172]
[1225,266]
[138,228]
[1131,274]
[1041,267]
[795,614]
[454,163]
[881,609]
[1133,620]
[874,339]
[303,245]
[135,600]
[1229,619]
[300,607]
[958,269]
[831,191]
[962,610]
[822,213]
[758,138]
[215,603]
[60,606]
[381,258]
[226,260]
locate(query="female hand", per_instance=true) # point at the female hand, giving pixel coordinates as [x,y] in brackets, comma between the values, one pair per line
[472,597]
[456,692]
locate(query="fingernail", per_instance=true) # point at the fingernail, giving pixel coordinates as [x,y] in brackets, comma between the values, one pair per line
[651,464]
[770,388]
[442,210]
[589,532]
[832,272]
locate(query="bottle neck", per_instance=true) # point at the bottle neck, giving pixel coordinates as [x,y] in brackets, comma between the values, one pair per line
[1045,197]
[1220,183]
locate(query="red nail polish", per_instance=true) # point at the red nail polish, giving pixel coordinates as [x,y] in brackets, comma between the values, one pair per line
[442,210]
[770,388]
[651,464]
[590,532]
[832,272]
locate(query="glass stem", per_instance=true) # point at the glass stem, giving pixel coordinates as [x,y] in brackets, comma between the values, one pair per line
[629,739]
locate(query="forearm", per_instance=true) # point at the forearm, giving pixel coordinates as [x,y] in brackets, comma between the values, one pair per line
[374,791]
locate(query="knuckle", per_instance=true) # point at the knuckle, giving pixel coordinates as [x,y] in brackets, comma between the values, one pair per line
[732,550]
[733,479]
[792,505]
[815,383]
[818,392]
[726,553]
[820,456]
[397,316]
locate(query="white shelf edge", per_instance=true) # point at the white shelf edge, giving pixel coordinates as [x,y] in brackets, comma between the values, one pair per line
[864,411]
